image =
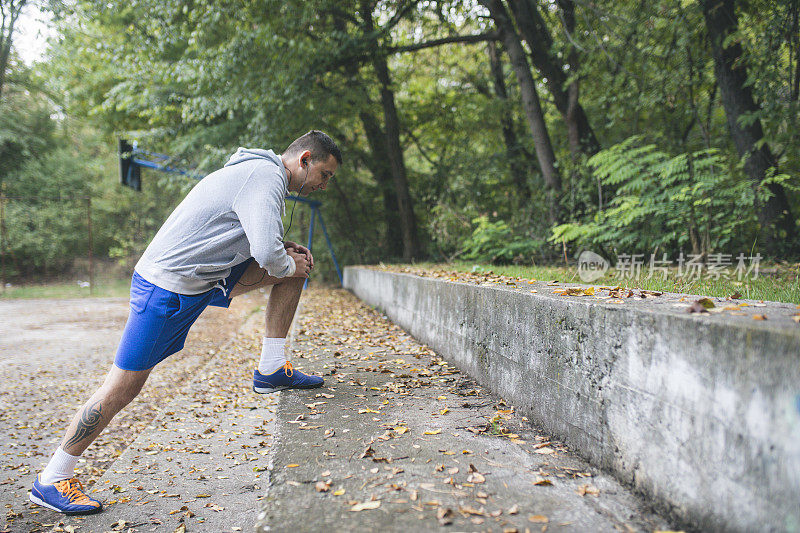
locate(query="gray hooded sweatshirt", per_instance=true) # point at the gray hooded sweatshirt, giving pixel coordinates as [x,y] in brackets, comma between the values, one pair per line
[229,216]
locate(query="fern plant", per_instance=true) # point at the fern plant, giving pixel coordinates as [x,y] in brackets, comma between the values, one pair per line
[693,200]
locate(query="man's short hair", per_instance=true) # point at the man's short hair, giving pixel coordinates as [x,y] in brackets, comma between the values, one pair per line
[318,143]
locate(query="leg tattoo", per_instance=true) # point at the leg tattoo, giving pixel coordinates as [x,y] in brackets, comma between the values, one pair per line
[90,418]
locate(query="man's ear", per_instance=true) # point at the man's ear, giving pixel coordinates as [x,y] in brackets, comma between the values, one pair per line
[305,159]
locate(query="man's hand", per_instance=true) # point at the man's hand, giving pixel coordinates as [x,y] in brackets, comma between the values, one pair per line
[289,245]
[302,267]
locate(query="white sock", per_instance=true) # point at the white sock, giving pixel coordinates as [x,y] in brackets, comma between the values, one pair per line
[272,357]
[60,467]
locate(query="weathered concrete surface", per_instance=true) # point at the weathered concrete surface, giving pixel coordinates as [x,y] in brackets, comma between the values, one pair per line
[700,413]
[399,429]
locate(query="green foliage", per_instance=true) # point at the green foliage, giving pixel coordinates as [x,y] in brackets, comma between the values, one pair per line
[495,242]
[694,200]
[198,80]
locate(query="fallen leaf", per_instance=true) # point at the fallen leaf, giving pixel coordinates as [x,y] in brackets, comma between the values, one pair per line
[514,509]
[372,504]
[538,519]
[467,510]
[445,516]
[476,477]
[432,432]
[322,486]
[759,317]
[588,489]
[542,481]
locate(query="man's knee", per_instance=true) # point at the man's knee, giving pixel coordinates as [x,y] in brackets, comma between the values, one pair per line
[122,386]
[294,282]
[116,396]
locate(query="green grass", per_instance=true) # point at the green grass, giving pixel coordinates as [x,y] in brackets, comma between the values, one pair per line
[103,288]
[780,283]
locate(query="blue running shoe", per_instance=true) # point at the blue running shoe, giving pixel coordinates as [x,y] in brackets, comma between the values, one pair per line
[284,378]
[64,496]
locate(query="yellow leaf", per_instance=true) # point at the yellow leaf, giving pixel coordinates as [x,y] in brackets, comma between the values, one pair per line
[432,432]
[338,492]
[293,465]
[538,519]
[444,411]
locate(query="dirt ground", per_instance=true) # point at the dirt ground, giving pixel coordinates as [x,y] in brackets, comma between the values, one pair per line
[55,353]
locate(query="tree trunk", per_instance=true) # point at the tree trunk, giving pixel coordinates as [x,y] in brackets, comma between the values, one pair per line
[514,149]
[737,99]
[530,103]
[535,32]
[379,166]
[8,18]
[394,151]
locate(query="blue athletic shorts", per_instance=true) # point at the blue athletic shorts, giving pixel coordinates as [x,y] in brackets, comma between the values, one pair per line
[159,319]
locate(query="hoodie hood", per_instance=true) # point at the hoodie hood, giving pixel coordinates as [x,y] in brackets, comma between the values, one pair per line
[248,154]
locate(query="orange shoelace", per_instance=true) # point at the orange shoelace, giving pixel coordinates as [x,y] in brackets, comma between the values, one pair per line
[72,489]
[287,369]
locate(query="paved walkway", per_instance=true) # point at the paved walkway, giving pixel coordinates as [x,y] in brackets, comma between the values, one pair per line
[54,354]
[397,440]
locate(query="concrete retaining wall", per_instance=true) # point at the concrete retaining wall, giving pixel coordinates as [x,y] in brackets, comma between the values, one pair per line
[699,413]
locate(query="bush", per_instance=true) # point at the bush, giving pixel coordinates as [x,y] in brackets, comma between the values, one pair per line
[495,242]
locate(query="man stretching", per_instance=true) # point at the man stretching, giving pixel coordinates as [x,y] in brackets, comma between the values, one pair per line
[224,239]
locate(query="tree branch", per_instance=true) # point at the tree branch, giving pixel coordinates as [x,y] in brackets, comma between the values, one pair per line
[479,38]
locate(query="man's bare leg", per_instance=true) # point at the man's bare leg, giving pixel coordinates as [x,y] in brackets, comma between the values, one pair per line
[118,390]
[56,487]
[283,298]
[281,308]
